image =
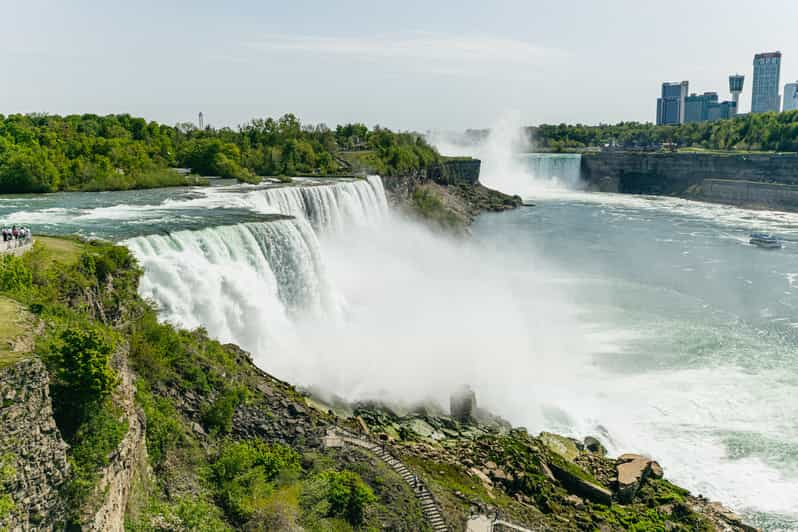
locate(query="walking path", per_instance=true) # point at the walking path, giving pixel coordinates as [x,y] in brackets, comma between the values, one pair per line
[432,512]
[483,523]
[15,247]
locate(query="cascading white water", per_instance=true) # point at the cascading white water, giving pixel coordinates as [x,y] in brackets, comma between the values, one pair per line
[248,283]
[327,207]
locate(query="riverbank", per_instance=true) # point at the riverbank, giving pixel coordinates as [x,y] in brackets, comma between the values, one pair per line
[757,180]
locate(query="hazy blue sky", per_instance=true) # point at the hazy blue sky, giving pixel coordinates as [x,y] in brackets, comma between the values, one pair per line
[406,64]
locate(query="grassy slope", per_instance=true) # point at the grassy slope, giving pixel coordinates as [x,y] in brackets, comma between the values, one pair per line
[16,329]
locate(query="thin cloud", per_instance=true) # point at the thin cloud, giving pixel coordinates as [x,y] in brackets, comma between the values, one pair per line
[441,53]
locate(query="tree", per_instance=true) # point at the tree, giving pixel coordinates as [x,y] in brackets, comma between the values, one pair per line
[84,366]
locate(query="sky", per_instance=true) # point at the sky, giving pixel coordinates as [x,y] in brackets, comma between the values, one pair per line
[413,65]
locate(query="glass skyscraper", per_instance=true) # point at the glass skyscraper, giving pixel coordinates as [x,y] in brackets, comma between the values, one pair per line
[791,97]
[765,96]
[670,106]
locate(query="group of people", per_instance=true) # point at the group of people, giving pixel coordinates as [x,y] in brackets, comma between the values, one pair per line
[15,233]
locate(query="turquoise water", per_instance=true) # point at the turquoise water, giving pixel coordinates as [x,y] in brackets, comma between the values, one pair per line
[703,371]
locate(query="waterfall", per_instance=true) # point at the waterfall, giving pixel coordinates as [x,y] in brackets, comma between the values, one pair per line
[249,283]
[506,164]
[326,207]
[557,169]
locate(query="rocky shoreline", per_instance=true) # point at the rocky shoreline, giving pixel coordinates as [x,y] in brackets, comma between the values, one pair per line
[451,203]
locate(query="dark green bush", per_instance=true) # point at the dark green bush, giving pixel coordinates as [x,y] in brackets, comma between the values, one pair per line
[338,494]
[244,474]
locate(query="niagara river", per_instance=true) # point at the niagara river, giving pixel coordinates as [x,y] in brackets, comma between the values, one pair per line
[648,322]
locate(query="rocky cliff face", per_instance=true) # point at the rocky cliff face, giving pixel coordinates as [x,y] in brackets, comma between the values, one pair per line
[33,454]
[454,171]
[769,180]
[129,459]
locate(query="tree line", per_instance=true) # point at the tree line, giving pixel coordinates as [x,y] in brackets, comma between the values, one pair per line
[49,153]
[751,132]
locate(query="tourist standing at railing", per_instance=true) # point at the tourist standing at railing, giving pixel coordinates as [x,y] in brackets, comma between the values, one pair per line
[16,236]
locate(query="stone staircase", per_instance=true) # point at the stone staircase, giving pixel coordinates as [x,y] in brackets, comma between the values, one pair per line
[432,512]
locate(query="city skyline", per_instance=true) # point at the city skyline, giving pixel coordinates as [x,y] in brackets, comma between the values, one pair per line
[452,65]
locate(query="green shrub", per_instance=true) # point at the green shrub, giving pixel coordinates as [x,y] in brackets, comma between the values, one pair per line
[186,513]
[164,429]
[8,474]
[84,366]
[218,417]
[338,494]
[14,274]
[244,474]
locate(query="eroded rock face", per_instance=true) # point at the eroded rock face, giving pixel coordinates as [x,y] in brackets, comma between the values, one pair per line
[116,481]
[32,450]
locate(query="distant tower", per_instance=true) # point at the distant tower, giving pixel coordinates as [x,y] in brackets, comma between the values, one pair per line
[201,121]
[736,87]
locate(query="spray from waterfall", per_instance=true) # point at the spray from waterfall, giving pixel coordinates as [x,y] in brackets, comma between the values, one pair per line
[353,299]
[508,163]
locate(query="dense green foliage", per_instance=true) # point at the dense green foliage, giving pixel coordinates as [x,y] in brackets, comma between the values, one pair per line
[245,473]
[338,494]
[763,131]
[218,416]
[14,275]
[84,366]
[45,153]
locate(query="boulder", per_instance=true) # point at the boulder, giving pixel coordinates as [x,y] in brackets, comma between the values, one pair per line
[482,476]
[565,447]
[633,469]
[656,470]
[594,446]
[578,482]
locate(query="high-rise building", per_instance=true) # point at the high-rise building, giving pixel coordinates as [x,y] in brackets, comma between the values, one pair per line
[765,92]
[736,82]
[701,107]
[670,106]
[790,97]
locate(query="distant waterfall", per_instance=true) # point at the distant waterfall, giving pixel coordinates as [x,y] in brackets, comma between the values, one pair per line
[555,169]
